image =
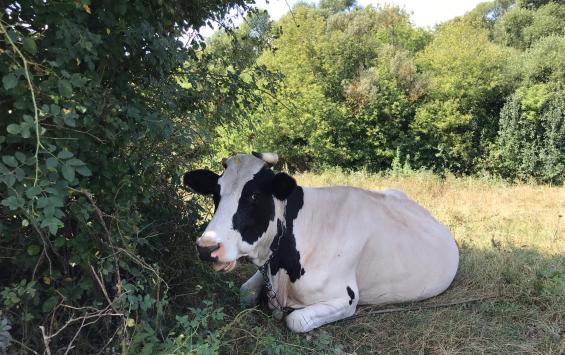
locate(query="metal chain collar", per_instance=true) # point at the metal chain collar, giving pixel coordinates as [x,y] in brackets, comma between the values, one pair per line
[279,310]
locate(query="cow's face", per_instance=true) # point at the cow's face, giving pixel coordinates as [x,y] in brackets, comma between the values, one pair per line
[247,198]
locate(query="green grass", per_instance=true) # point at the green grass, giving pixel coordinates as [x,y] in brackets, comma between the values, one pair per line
[512,245]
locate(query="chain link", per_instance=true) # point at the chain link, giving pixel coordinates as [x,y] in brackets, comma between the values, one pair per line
[279,310]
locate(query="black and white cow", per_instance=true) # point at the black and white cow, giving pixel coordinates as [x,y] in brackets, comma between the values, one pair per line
[328,249]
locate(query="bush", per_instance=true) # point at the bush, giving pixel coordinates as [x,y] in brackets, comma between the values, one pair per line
[531,141]
[103,109]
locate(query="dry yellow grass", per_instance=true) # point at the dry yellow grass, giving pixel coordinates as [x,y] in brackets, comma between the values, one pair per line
[478,212]
[512,243]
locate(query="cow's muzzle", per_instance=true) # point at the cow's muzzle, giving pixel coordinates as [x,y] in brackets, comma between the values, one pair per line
[205,253]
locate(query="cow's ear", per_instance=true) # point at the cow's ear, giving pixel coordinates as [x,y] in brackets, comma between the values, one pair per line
[201,181]
[283,185]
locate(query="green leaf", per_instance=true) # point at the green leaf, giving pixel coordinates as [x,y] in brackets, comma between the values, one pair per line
[59,242]
[20,174]
[68,172]
[33,191]
[13,128]
[29,119]
[54,109]
[75,162]
[65,154]
[33,249]
[10,81]
[70,121]
[84,171]
[51,163]
[43,202]
[65,88]
[9,179]
[52,224]
[13,202]
[49,304]
[10,161]
[29,45]
[20,156]
[25,130]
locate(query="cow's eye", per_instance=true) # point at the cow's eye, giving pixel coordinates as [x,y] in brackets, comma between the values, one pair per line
[254,196]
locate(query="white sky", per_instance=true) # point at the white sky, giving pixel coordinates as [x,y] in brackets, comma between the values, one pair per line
[424,13]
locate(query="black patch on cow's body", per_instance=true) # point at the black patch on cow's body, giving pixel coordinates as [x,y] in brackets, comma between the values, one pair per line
[255,208]
[351,294]
[286,256]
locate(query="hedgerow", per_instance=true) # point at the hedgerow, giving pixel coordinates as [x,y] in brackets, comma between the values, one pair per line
[103,108]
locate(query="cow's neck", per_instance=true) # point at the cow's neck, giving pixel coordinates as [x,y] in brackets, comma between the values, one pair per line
[280,249]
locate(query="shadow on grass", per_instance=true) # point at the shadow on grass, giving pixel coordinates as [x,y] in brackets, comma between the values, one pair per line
[519,308]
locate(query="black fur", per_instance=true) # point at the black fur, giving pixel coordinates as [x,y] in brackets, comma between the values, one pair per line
[351,294]
[202,181]
[256,207]
[283,186]
[286,256]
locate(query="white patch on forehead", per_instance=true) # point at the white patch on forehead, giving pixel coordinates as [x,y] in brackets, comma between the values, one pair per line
[240,169]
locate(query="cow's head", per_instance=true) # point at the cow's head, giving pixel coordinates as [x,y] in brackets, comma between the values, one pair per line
[248,198]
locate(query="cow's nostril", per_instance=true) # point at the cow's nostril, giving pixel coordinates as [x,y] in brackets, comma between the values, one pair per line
[205,252]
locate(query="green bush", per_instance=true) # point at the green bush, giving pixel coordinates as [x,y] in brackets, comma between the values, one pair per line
[531,141]
[103,108]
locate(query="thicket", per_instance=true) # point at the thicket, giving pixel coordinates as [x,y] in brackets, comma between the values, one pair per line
[362,87]
[102,109]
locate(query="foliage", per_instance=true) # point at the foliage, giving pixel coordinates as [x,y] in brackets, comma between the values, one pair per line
[435,96]
[531,141]
[340,101]
[103,108]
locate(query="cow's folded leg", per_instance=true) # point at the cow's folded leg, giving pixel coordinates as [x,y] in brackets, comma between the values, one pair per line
[311,317]
[251,290]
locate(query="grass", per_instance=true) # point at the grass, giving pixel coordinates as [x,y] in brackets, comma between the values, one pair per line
[512,245]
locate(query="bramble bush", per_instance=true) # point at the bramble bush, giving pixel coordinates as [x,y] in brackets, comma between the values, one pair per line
[103,108]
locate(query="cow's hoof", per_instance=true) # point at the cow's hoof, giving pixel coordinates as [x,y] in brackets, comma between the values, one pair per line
[298,323]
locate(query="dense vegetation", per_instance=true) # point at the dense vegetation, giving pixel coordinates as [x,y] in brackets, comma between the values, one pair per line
[103,108]
[362,88]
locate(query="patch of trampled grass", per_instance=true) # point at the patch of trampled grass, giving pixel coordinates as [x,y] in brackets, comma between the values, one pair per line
[512,272]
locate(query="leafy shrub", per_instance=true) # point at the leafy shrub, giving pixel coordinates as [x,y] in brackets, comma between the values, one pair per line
[103,108]
[531,141]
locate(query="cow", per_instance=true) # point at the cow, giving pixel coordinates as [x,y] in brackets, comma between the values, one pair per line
[321,251]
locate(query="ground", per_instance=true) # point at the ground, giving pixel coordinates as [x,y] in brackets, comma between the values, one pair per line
[507,298]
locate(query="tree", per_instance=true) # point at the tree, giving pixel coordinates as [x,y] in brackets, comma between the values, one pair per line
[531,141]
[467,89]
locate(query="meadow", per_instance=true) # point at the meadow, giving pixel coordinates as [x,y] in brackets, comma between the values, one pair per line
[106,104]
[508,296]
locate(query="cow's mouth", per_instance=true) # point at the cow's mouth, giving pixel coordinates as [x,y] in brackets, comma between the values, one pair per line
[224,267]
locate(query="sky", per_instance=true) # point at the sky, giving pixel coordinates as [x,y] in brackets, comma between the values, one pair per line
[423,13]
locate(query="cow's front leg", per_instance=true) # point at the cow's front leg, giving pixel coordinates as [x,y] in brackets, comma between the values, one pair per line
[316,315]
[251,290]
